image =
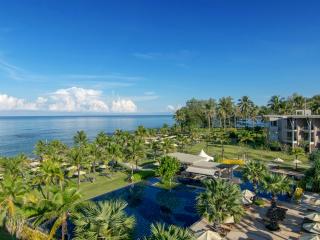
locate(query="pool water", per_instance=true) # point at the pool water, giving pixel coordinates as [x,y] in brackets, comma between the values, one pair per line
[150,204]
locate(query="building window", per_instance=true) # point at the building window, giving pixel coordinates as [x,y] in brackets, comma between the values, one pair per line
[274,123]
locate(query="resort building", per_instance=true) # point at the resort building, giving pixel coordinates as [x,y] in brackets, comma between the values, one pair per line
[295,130]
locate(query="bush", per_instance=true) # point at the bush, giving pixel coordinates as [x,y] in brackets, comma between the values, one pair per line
[259,202]
[315,155]
[275,146]
[142,175]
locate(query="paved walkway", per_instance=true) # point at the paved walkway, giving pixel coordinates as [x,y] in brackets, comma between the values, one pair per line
[252,225]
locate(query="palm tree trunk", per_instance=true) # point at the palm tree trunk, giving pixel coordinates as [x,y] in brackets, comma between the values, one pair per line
[94,170]
[78,176]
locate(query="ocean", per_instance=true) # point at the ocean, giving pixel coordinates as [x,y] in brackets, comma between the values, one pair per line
[19,134]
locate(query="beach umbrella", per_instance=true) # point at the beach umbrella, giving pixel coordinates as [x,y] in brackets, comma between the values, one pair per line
[228,220]
[312,227]
[209,235]
[247,196]
[71,168]
[102,166]
[308,236]
[34,169]
[279,160]
[81,173]
[313,217]
[34,164]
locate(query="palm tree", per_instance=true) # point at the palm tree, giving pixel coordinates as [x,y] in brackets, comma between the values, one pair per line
[12,191]
[275,184]
[77,158]
[275,104]
[57,209]
[220,200]
[254,172]
[245,105]
[103,220]
[167,146]
[222,138]
[225,109]
[209,110]
[135,151]
[172,232]
[41,149]
[297,151]
[15,166]
[80,139]
[49,174]
[156,147]
[141,132]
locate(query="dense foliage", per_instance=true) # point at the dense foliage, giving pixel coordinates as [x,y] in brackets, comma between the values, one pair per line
[225,111]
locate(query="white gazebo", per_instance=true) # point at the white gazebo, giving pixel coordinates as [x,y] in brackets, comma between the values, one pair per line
[206,156]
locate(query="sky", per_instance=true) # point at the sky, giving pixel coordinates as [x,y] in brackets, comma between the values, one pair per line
[142,56]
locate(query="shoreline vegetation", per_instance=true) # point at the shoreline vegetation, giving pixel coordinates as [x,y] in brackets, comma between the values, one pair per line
[47,192]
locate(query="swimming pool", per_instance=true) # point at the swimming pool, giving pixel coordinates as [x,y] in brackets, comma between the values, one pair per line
[150,204]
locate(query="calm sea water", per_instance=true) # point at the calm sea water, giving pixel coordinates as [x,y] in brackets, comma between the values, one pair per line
[19,134]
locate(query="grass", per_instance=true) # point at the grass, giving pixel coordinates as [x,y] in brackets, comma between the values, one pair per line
[236,151]
[103,185]
[167,185]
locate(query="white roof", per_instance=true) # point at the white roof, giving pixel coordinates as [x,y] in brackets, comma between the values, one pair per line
[313,217]
[186,158]
[206,156]
[312,227]
[202,171]
[205,164]
[308,236]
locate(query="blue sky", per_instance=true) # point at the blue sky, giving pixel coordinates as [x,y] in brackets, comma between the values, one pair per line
[143,56]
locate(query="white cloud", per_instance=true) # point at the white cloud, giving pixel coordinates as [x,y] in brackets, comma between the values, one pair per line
[123,105]
[13,103]
[72,99]
[77,100]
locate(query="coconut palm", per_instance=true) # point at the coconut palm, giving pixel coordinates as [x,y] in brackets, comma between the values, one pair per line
[245,105]
[141,131]
[275,184]
[222,138]
[57,210]
[12,190]
[135,151]
[14,166]
[77,158]
[167,146]
[103,220]
[275,104]
[297,151]
[162,232]
[41,149]
[155,147]
[254,172]
[209,110]
[220,200]
[225,109]
[80,139]
[49,174]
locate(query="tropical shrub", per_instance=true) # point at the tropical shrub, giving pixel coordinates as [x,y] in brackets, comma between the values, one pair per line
[168,168]
[314,155]
[220,200]
[163,232]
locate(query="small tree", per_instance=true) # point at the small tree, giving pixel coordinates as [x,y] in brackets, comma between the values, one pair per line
[167,169]
[297,151]
[220,200]
[160,232]
[254,172]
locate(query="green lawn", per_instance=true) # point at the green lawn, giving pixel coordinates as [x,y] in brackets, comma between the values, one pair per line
[103,184]
[235,151]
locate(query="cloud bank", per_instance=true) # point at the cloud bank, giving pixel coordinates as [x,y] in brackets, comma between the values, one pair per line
[72,99]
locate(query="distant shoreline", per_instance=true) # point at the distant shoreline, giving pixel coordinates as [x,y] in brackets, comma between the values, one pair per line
[65,116]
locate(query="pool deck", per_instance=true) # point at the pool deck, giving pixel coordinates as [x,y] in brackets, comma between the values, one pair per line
[252,225]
